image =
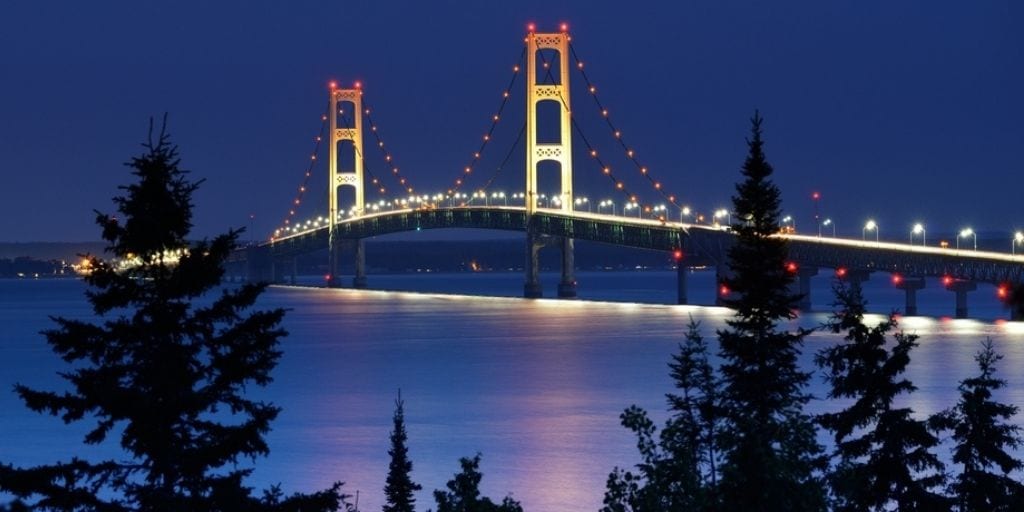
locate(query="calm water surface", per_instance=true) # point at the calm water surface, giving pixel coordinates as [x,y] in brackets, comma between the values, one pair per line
[535,386]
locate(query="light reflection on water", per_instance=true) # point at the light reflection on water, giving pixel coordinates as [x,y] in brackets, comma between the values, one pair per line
[536,386]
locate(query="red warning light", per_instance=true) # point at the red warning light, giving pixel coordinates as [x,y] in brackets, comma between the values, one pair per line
[815,196]
[946,280]
[332,84]
[531,27]
[1002,292]
[358,85]
[897,279]
[791,267]
[841,272]
[564,27]
[677,254]
[723,290]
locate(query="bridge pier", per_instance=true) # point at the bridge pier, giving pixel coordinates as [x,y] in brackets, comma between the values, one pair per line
[802,286]
[567,286]
[259,264]
[722,291]
[960,287]
[681,297]
[533,289]
[359,281]
[910,285]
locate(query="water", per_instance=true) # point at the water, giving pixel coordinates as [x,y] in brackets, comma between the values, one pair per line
[535,386]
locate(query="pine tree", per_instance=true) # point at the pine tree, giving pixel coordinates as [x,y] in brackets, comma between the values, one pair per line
[882,453]
[983,434]
[463,494]
[399,486]
[163,374]
[771,459]
[679,470]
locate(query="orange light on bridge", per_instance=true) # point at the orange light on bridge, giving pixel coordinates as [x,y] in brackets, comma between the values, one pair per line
[1003,292]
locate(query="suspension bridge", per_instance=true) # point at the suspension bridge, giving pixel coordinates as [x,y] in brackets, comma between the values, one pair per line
[557,220]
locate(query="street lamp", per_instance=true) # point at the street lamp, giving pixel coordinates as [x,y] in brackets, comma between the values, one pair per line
[1018,238]
[632,206]
[828,222]
[660,208]
[722,212]
[869,226]
[919,230]
[606,203]
[788,219]
[500,195]
[582,200]
[684,212]
[964,233]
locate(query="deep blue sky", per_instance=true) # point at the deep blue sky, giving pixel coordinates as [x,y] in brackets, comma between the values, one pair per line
[900,111]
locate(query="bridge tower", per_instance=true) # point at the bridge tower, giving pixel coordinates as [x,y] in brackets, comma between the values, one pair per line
[537,152]
[349,178]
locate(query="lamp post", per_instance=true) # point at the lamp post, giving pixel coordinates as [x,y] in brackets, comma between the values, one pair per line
[1018,238]
[684,212]
[788,219]
[582,200]
[869,226]
[660,208]
[722,212]
[919,230]
[606,203]
[828,222]
[964,233]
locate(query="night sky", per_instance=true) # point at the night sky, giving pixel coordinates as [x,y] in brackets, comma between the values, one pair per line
[897,111]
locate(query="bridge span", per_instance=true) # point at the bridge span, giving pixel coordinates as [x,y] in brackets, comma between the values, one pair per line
[853,260]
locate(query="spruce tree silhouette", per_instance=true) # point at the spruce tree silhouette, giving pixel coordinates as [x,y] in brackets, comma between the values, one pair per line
[159,371]
[771,457]
[883,454]
[463,494]
[983,438]
[399,486]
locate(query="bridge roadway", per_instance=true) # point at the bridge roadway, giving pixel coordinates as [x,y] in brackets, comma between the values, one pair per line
[857,258]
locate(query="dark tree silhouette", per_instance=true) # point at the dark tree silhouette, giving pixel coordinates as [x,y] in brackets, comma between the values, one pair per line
[679,470]
[164,374]
[983,435]
[771,459]
[463,494]
[882,453]
[399,486]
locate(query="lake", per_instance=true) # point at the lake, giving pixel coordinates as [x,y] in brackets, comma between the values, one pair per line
[536,386]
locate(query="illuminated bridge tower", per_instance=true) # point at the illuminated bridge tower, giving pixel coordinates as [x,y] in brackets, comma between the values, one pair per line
[537,152]
[352,178]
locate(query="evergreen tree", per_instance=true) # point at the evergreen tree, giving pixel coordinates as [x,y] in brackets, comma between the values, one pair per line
[771,458]
[678,472]
[399,486]
[983,434]
[163,374]
[463,494]
[883,453]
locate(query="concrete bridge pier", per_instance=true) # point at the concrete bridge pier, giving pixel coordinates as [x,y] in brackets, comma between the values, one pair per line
[533,289]
[681,271]
[910,285]
[567,286]
[334,262]
[960,287]
[802,286]
[359,281]
[722,291]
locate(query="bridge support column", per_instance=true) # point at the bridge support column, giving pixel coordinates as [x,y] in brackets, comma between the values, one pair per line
[359,281]
[910,285]
[802,286]
[293,270]
[258,264]
[567,286]
[722,291]
[334,262]
[533,289]
[961,287]
[681,297]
